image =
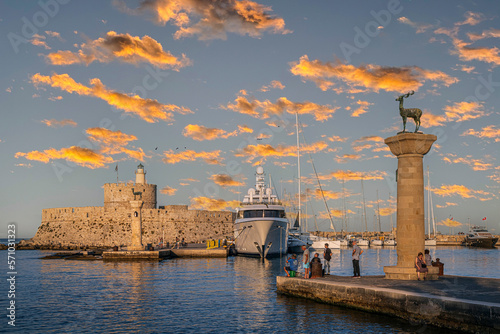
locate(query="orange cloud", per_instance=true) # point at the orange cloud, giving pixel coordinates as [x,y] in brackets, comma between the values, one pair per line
[367,77]
[446,205]
[462,191]
[168,191]
[337,139]
[420,27]
[475,164]
[123,47]
[327,193]
[225,180]
[190,179]
[251,152]
[212,158]
[449,222]
[364,143]
[274,84]
[244,129]
[363,108]
[79,155]
[489,132]
[463,111]
[428,119]
[216,18]
[492,33]
[350,175]
[387,211]
[212,204]
[347,158]
[266,109]
[471,18]
[53,123]
[149,110]
[200,132]
[114,142]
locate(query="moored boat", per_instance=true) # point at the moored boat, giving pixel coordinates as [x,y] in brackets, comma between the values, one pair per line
[261,225]
[479,236]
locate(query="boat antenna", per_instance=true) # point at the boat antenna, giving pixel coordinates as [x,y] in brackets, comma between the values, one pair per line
[320,188]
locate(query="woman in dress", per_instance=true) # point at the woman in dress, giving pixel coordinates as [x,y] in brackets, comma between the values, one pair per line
[421,266]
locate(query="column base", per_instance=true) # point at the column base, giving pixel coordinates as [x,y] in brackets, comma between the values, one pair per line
[135,248]
[409,273]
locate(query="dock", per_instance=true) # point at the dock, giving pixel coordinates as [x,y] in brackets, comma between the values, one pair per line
[191,250]
[469,304]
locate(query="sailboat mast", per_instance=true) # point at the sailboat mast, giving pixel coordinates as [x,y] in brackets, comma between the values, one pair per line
[378,213]
[428,205]
[364,207]
[298,166]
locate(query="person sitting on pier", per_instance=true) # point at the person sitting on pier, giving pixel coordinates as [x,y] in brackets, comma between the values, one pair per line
[293,264]
[428,258]
[421,266]
[287,266]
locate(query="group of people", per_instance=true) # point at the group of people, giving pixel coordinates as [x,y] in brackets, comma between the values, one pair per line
[291,267]
[292,262]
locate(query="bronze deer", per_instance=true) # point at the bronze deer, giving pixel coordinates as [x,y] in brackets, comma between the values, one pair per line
[414,113]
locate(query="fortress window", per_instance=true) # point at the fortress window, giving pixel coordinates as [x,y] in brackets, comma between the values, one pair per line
[136,214]
[87,215]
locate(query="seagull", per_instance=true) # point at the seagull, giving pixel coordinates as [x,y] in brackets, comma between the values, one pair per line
[176,148]
[156,148]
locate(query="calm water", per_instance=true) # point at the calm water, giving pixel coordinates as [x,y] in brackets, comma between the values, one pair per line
[233,295]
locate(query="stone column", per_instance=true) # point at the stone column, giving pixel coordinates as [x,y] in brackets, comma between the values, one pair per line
[410,149]
[136,226]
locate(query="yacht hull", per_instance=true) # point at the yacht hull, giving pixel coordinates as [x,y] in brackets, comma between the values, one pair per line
[481,242]
[261,237]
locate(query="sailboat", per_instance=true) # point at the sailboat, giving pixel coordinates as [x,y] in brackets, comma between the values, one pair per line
[377,242]
[391,240]
[363,241]
[430,240]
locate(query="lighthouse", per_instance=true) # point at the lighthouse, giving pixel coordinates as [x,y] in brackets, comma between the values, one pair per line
[140,175]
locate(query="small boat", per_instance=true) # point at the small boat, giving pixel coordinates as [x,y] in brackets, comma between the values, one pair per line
[390,241]
[480,237]
[363,242]
[295,244]
[319,242]
[261,225]
[376,242]
[430,242]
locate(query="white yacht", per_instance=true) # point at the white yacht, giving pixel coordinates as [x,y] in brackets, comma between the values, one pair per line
[479,236]
[261,225]
[319,242]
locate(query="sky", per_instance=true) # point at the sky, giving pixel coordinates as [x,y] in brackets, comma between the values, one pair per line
[202,92]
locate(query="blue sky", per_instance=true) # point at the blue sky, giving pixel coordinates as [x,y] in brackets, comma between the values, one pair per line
[201,92]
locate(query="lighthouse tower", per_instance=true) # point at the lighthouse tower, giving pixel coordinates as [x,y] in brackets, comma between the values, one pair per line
[140,175]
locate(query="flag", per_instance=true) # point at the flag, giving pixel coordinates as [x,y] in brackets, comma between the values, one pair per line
[484,218]
[116,168]
[451,218]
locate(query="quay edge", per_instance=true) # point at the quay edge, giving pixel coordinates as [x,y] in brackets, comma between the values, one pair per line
[442,311]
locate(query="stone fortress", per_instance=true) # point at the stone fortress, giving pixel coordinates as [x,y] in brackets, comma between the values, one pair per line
[110,225]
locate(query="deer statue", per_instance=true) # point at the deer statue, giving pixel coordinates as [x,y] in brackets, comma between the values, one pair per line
[414,113]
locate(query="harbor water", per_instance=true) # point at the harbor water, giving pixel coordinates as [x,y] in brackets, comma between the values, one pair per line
[218,295]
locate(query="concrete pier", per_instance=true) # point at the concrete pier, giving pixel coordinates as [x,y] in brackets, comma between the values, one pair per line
[133,255]
[469,304]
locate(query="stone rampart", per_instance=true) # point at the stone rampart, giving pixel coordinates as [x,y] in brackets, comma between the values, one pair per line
[94,226]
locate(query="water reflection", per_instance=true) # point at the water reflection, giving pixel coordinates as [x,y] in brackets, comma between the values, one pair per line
[203,295]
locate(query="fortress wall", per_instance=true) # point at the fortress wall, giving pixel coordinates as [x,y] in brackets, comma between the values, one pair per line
[112,227]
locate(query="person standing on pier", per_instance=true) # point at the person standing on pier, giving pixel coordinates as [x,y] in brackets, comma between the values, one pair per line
[327,255]
[356,252]
[305,261]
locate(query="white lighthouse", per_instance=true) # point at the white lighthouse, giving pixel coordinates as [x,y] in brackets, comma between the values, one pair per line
[140,175]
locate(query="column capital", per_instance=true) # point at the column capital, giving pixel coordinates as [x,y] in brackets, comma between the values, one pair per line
[136,204]
[410,143]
